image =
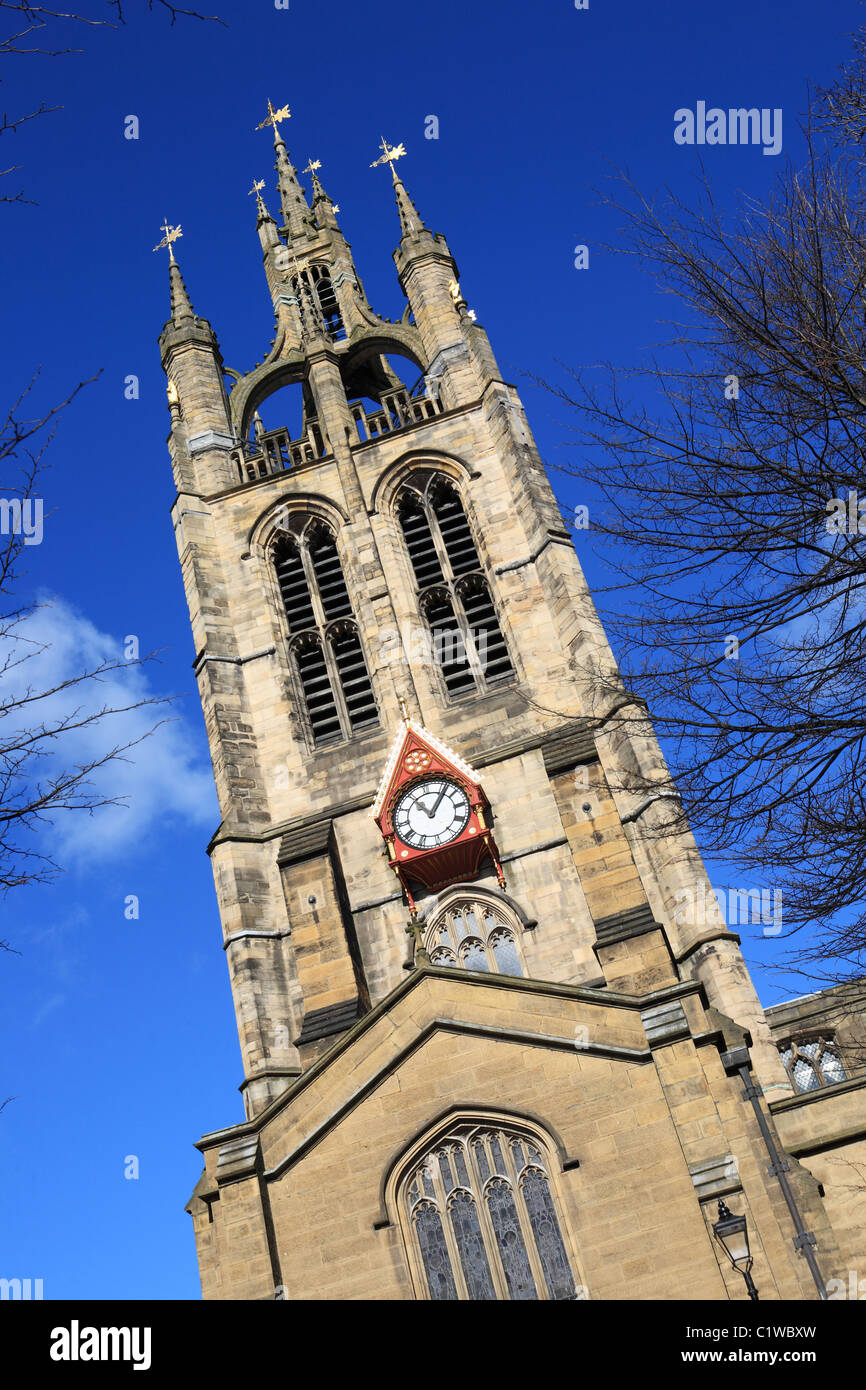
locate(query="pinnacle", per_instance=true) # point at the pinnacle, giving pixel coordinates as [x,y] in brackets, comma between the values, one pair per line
[410,219]
[181,308]
[295,209]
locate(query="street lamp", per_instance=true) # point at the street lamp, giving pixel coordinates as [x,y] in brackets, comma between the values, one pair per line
[731,1233]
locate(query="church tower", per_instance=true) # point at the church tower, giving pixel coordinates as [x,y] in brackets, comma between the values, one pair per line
[493,1045]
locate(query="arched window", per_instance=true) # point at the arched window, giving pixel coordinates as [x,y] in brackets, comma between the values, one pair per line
[813,1062]
[475,935]
[326,649]
[453,592]
[328,302]
[318,279]
[482,1220]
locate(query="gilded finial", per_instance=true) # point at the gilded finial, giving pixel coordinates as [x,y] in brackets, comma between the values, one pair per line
[171,234]
[312,166]
[273,117]
[258,185]
[389,154]
[459,302]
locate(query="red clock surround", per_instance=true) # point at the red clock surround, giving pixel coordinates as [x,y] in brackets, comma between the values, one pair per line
[416,757]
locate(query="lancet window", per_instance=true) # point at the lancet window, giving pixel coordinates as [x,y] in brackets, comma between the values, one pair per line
[325,645]
[453,593]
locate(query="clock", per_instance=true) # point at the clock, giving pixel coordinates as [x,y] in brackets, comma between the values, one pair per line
[431,813]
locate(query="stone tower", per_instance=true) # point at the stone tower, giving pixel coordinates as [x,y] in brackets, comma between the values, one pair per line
[508,1067]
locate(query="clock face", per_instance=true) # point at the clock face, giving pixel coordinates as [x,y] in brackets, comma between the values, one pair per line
[431,813]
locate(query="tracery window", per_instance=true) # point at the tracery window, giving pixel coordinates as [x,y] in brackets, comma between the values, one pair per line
[453,593]
[326,650]
[475,935]
[480,1212]
[812,1062]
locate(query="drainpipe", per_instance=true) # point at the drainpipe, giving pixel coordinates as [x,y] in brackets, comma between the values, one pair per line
[804,1242]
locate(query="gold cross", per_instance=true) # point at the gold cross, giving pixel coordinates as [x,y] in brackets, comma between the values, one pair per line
[388,155]
[312,166]
[171,234]
[274,117]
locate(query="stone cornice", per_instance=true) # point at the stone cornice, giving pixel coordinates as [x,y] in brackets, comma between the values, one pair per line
[712,934]
[839,1088]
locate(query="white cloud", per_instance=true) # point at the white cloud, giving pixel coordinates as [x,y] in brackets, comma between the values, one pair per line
[166,779]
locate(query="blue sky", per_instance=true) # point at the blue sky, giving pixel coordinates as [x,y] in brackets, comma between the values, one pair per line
[119,1035]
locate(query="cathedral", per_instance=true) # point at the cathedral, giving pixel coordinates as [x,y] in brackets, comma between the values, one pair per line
[486,1053]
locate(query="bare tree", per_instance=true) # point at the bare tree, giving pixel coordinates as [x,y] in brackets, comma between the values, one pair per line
[840,110]
[36,721]
[731,469]
[37,779]
[37,31]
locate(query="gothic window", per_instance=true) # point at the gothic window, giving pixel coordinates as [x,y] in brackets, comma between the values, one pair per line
[318,279]
[326,650]
[481,1215]
[475,935]
[453,593]
[812,1062]
[329,304]
[449,645]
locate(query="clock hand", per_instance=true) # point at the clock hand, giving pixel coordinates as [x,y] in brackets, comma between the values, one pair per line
[436,805]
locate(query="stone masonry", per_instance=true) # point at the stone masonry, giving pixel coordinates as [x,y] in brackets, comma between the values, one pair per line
[621,1051]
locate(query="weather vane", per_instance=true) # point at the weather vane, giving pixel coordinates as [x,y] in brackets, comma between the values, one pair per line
[171,234]
[274,117]
[258,185]
[389,154]
[312,166]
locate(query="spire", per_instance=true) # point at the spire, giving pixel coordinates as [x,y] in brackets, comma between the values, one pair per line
[323,208]
[265,224]
[181,308]
[295,208]
[296,211]
[256,190]
[310,168]
[410,220]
